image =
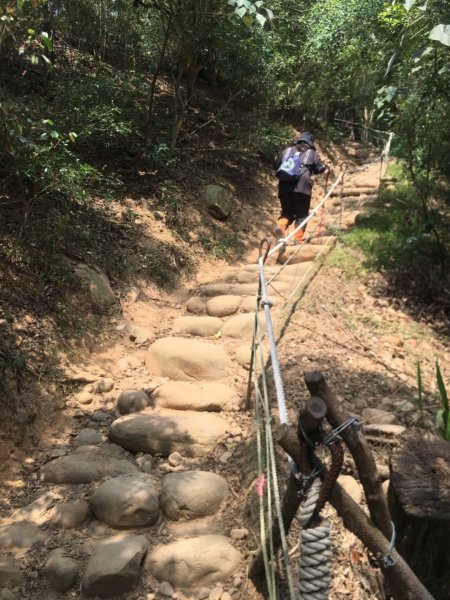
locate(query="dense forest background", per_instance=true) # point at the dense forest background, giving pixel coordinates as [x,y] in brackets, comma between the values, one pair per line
[97,93]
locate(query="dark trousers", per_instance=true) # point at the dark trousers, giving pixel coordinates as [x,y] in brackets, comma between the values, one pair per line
[294,207]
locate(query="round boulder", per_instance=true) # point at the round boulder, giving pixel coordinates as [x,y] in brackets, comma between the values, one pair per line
[223,306]
[241,326]
[131,401]
[61,570]
[196,306]
[114,566]
[127,501]
[183,359]
[201,326]
[69,515]
[192,494]
[217,201]
[194,562]
[187,432]
[184,395]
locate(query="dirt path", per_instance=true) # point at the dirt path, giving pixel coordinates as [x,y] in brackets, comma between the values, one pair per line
[139,492]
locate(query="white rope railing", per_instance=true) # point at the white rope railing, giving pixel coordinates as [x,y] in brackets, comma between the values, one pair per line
[314,564]
[268,485]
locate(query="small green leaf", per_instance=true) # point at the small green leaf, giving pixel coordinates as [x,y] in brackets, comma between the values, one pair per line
[247,20]
[47,41]
[34,59]
[441,386]
[72,136]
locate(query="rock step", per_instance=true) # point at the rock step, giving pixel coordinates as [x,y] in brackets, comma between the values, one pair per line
[203,396]
[354,191]
[240,289]
[184,359]
[194,562]
[306,255]
[190,433]
[222,306]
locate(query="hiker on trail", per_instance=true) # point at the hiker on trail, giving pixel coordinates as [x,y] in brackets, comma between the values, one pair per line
[294,168]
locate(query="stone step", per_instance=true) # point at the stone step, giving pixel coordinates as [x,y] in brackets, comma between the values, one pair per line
[202,396]
[194,562]
[354,191]
[190,433]
[204,326]
[184,359]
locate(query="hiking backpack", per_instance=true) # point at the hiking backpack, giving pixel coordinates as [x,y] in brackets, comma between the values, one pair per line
[289,169]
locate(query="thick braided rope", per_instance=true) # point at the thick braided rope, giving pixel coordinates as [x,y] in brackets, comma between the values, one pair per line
[315,551]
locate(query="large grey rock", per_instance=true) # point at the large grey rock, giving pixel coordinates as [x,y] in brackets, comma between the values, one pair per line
[201,326]
[223,306]
[114,566]
[214,289]
[187,360]
[86,464]
[98,285]
[194,562]
[20,535]
[184,395]
[248,304]
[217,201]
[196,306]
[246,276]
[190,433]
[241,326]
[127,501]
[131,401]
[192,494]
[71,514]
[89,436]
[61,570]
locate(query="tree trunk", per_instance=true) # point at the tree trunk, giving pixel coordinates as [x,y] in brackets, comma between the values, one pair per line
[419,498]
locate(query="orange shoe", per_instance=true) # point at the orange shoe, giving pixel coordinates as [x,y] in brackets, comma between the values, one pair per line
[298,238]
[280,229]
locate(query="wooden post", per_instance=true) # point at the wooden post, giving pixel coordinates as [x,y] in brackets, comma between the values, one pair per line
[356,521]
[369,477]
[360,451]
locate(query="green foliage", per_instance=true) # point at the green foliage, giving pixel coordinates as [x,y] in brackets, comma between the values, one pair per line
[400,238]
[443,415]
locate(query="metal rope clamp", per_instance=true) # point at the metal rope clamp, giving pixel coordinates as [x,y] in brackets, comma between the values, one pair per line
[386,561]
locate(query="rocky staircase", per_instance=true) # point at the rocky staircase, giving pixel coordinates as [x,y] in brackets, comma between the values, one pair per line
[146,501]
